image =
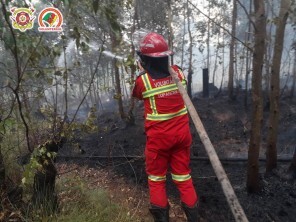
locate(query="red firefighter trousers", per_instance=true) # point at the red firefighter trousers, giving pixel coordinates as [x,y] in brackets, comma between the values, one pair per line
[174,152]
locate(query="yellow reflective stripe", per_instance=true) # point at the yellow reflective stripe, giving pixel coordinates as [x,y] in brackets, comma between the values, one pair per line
[148,87]
[181,178]
[182,74]
[161,89]
[153,105]
[160,117]
[156,178]
[146,81]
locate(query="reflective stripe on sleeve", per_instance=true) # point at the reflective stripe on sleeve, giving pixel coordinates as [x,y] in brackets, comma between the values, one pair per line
[156,178]
[181,178]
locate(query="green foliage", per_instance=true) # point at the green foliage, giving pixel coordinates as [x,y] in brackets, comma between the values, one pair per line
[91,121]
[130,61]
[7,124]
[39,159]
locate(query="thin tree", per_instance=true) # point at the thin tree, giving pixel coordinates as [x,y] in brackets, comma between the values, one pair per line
[190,71]
[258,58]
[115,36]
[184,32]
[271,152]
[231,51]
[292,168]
[171,34]
[247,61]
[294,72]
[2,166]
[65,76]
[208,36]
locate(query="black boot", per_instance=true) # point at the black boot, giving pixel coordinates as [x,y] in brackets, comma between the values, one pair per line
[160,214]
[191,212]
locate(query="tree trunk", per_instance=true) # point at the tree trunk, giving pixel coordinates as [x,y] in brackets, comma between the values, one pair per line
[292,168]
[258,57]
[205,83]
[118,89]
[190,71]
[171,34]
[247,62]
[268,53]
[231,52]
[294,74]
[208,36]
[65,76]
[2,169]
[116,36]
[44,196]
[216,59]
[184,32]
[271,152]
[133,69]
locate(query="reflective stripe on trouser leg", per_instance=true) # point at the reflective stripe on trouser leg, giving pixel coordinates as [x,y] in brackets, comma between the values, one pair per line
[181,178]
[158,196]
[187,191]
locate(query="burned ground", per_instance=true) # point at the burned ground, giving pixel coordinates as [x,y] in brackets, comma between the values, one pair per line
[228,126]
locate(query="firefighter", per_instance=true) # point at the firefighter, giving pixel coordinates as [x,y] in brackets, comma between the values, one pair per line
[167,128]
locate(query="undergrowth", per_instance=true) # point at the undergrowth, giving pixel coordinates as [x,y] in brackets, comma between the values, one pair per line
[78,203]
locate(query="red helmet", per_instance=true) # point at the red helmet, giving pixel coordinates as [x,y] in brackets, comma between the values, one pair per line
[154,45]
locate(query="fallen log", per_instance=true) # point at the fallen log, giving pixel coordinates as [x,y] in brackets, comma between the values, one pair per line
[231,197]
[134,157]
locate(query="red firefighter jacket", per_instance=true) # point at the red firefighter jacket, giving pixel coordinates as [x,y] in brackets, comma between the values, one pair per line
[165,111]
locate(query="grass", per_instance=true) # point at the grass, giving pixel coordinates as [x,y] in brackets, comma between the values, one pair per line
[78,203]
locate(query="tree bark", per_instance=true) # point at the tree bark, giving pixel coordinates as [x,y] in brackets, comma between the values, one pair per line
[44,195]
[247,62]
[184,32]
[292,168]
[190,71]
[258,57]
[65,77]
[171,34]
[271,152]
[294,74]
[231,52]
[118,89]
[2,168]
[216,59]
[208,36]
